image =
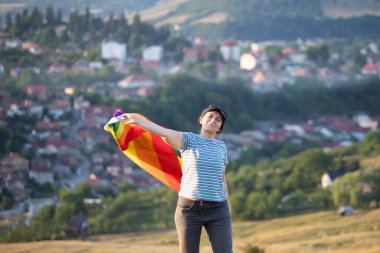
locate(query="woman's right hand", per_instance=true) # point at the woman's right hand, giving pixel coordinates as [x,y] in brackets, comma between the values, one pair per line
[129,118]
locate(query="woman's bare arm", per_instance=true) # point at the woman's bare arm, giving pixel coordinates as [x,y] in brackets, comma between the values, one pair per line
[226,190]
[172,137]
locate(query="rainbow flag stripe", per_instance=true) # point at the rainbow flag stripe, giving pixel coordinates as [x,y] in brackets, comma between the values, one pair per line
[149,151]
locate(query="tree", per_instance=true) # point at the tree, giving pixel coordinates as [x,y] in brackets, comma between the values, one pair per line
[348,190]
[50,16]
[122,31]
[318,54]
[238,204]
[6,140]
[36,18]
[208,70]
[59,16]
[372,179]
[8,22]
[256,207]
[46,37]
[26,77]
[6,199]
[371,144]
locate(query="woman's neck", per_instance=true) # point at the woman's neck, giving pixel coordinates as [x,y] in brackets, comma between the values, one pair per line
[209,135]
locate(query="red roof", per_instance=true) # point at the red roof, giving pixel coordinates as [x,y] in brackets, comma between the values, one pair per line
[199,52]
[58,143]
[40,169]
[150,64]
[35,89]
[47,125]
[229,42]
[371,68]
[60,104]
[136,78]
[275,137]
[101,111]
[287,51]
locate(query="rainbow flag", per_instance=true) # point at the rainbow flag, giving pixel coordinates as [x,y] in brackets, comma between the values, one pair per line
[149,151]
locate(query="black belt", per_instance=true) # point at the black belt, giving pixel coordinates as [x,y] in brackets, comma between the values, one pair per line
[202,203]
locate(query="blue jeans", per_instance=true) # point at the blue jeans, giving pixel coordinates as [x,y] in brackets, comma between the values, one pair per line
[192,215]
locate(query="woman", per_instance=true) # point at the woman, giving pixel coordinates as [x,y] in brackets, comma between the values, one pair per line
[203,196]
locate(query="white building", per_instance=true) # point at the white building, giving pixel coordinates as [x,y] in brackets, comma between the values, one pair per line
[136,81]
[152,53]
[114,50]
[230,50]
[42,175]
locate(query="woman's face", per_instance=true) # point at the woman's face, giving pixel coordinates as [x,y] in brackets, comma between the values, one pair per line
[211,121]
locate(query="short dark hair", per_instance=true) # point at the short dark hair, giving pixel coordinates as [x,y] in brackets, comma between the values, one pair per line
[217,109]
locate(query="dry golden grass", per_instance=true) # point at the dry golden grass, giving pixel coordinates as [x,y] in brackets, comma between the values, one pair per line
[157,11]
[5,7]
[346,9]
[311,233]
[173,20]
[370,162]
[214,18]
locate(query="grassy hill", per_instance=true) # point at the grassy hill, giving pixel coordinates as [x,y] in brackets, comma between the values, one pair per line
[311,233]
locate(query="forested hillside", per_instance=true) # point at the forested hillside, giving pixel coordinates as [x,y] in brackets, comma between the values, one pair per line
[253,19]
[259,191]
[245,107]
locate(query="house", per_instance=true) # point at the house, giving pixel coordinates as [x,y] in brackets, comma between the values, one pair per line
[144,91]
[328,178]
[371,69]
[150,65]
[230,50]
[14,110]
[36,91]
[41,175]
[118,167]
[80,103]
[82,65]
[55,145]
[15,72]
[115,168]
[95,65]
[32,47]
[87,137]
[94,180]
[152,53]
[62,170]
[57,67]
[136,81]
[276,137]
[47,128]
[98,114]
[114,50]
[297,58]
[100,157]
[34,108]
[77,227]
[14,162]
[364,121]
[196,54]
[18,188]
[59,108]
[12,43]
[296,129]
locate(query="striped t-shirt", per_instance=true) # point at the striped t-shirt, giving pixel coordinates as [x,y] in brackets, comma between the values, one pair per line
[203,165]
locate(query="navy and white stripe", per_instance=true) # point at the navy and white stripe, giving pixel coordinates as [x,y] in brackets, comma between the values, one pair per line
[203,165]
